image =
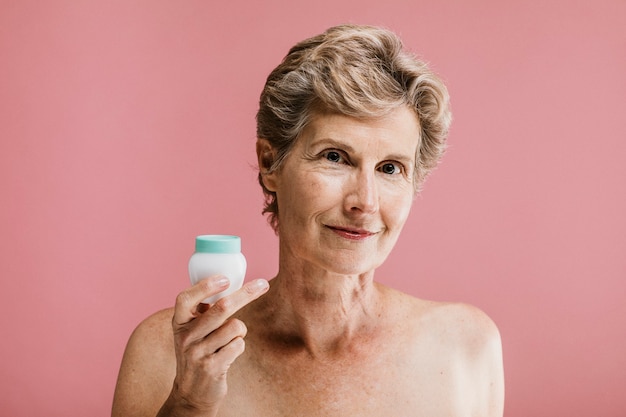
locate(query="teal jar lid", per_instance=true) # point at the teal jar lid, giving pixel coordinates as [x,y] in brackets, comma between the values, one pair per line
[218,244]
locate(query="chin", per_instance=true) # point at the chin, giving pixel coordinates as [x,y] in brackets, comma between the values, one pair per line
[341,267]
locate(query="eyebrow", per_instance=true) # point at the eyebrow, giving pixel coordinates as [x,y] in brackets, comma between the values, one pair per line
[334,143]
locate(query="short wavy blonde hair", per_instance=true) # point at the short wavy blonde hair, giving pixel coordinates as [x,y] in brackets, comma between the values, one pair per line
[357,71]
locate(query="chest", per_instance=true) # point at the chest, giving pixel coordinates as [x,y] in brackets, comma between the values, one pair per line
[386,384]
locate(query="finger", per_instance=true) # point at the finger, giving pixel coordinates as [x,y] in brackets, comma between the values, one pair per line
[227,355]
[225,307]
[230,330]
[200,350]
[202,377]
[187,301]
[223,335]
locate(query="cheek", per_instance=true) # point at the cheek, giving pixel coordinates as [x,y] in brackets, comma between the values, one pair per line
[315,187]
[305,195]
[397,208]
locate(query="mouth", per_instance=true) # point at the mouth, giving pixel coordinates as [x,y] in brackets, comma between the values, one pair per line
[351,233]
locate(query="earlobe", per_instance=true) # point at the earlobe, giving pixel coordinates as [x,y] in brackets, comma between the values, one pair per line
[266,156]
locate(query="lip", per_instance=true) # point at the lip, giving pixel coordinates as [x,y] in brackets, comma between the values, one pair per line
[351,233]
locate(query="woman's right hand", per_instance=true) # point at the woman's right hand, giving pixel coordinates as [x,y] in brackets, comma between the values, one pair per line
[207,341]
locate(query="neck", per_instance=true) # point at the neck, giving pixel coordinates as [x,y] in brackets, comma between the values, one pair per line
[320,312]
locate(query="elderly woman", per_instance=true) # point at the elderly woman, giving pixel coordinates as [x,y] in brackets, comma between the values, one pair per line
[349,126]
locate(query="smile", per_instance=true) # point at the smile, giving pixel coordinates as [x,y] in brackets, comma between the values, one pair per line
[352,234]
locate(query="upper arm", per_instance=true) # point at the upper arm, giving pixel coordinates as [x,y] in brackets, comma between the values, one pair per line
[492,375]
[148,368]
[485,365]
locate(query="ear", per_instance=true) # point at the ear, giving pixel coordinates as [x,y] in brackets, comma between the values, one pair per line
[266,155]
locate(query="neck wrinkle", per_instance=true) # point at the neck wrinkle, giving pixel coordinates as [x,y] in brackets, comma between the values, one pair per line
[323,314]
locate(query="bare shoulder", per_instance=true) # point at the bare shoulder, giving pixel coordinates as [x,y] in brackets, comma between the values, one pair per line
[148,367]
[153,336]
[456,344]
[466,325]
[460,324]
[158,323]
[473,342]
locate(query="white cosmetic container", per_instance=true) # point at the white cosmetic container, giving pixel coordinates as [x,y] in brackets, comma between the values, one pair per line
[218,255]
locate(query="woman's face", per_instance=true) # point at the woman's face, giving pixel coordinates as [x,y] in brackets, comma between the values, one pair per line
[346,189]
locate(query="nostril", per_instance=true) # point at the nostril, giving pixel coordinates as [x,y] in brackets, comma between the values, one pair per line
[367,201]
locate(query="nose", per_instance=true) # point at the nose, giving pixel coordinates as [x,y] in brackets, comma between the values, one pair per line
[362,196]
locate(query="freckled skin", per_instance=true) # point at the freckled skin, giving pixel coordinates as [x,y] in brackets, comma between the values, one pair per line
[325,339]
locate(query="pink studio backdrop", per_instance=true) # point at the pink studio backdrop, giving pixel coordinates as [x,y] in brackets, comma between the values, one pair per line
[127,127]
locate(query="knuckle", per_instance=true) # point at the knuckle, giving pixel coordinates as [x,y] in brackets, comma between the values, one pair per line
[206,285]
[250,290]
[183,337]
[195,353]
[217,364]
[214,366]
[236,328]
[183,299]
[240,327]
[186,338]
[223,305]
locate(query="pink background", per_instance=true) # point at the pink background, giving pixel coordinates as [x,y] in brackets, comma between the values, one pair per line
[127,127]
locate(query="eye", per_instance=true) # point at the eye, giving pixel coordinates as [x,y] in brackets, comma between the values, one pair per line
[333,156]
[390,168]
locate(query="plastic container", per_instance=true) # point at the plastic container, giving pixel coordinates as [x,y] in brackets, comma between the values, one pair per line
[218,255]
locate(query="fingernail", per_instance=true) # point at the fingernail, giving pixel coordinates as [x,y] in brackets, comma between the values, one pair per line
[261,284]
